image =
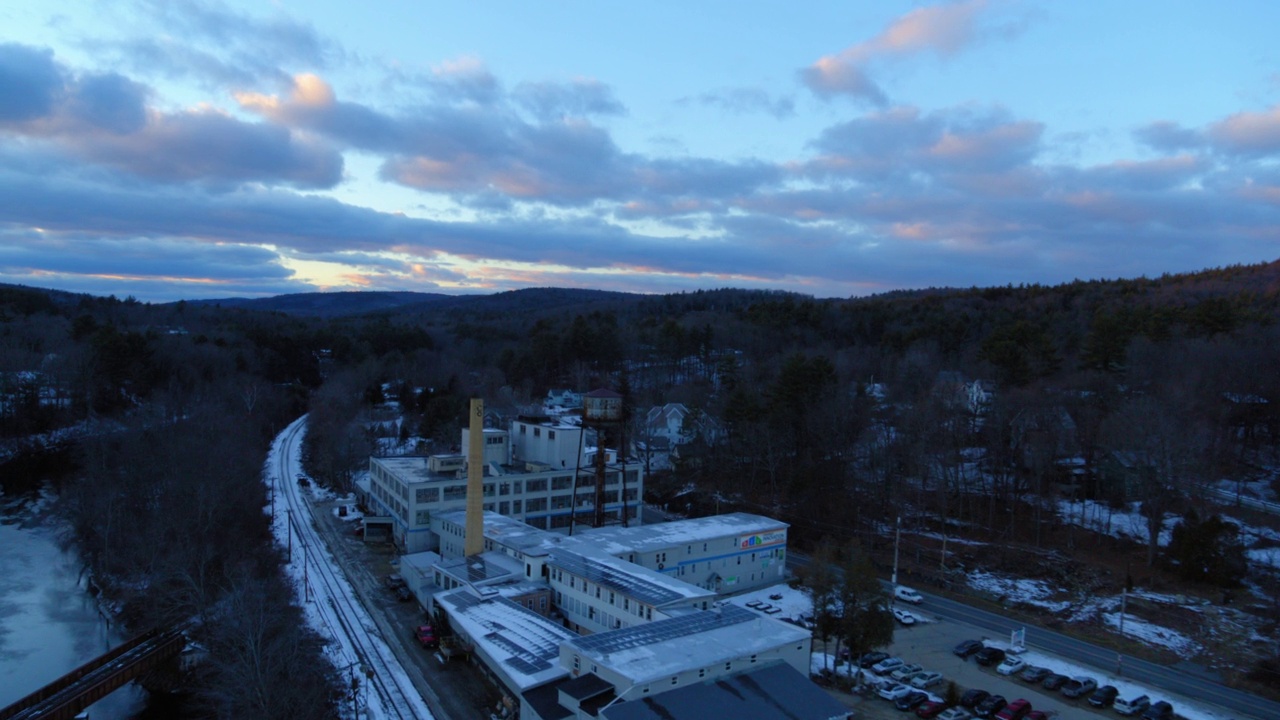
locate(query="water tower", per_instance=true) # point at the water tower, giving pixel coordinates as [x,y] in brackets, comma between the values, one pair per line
[602,411]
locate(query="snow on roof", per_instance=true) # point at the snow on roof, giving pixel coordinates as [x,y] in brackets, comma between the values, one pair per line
[647,586]
[655,650]
[523,645]
[650,538]
[484,569]
[508,532]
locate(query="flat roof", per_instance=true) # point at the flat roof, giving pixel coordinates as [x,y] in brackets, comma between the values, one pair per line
[772,692]
[483,569]
[641,583]
[654,650]
[649,538]
[523,643]
[506,531]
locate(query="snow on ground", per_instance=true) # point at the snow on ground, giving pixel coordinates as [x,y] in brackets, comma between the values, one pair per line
[319,610]
[1020,591]
[1127,688]
[1126,523]
[1136,627]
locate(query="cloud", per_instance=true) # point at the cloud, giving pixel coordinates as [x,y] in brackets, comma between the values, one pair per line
[490,156]
[746,101]
[1168,136]
[944,30]
[903,142]
[1249,133]
[215,45]
[29,82]
[580,98]
[103,119]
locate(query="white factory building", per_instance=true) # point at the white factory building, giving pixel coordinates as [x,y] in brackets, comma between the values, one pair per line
[530,473]
[599,620]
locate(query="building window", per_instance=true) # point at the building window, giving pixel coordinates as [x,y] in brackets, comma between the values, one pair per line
[728,665]
[551,434]
[537,432]
[675,679]
[515,507]
[702,672]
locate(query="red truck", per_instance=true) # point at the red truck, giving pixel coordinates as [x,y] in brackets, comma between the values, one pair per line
[426,636]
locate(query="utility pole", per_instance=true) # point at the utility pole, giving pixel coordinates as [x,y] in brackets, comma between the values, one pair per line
[1124,601]
[897,536]
[306,583]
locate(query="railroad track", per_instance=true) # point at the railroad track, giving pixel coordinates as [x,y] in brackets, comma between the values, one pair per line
[323,584]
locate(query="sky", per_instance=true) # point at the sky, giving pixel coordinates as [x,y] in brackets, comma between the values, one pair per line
[167,149]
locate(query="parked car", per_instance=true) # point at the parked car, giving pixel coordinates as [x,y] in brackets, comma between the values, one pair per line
[1158,711]
[911,700]
[991,706]
[1132,706]
[906,594]
[892,690]
[904,617]
[866,661]
[1079,686]
[1034,674]
[904,671]
[1104,696]
[967,648]
[1053,681]
[426,636]
[403,594]
[1011,664]
[930,709]
[1016,710]
[972,698]
[394,581]
[886,666]
[955,713]
[926,679]
[989,656]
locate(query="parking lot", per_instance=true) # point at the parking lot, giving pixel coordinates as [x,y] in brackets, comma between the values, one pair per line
[929,644]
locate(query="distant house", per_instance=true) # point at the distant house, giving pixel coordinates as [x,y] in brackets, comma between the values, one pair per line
[563,397]
[678,424]
[978,395]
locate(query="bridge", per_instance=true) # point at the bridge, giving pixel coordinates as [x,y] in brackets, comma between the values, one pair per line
[70,694]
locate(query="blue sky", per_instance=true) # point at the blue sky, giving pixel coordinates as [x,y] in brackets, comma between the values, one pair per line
[189,149]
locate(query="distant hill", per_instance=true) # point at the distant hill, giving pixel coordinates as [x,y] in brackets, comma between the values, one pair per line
[329,304]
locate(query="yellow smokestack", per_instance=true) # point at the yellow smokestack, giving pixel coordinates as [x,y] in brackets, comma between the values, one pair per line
[473,543]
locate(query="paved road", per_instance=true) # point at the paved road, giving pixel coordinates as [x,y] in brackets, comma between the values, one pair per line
[1174,680]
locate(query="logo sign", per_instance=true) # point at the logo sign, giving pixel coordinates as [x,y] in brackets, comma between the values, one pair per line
[772,537]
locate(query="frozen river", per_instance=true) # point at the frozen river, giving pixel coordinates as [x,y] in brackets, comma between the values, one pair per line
[49,625]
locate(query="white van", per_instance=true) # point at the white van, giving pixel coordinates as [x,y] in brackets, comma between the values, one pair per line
[1131,706]
[904,593]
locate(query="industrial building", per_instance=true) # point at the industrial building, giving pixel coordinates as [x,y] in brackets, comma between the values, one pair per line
[539,471]
[614,622]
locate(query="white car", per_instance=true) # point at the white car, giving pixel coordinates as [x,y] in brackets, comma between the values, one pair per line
[926,679]
[904,617]
[906,594]
[955,713]
[902,672]
[1012,664]
[886,666]
[893,691]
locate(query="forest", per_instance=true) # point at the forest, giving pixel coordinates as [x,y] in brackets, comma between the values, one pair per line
[839,416]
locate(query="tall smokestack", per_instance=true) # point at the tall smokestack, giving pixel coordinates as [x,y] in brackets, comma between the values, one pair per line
[473,543]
